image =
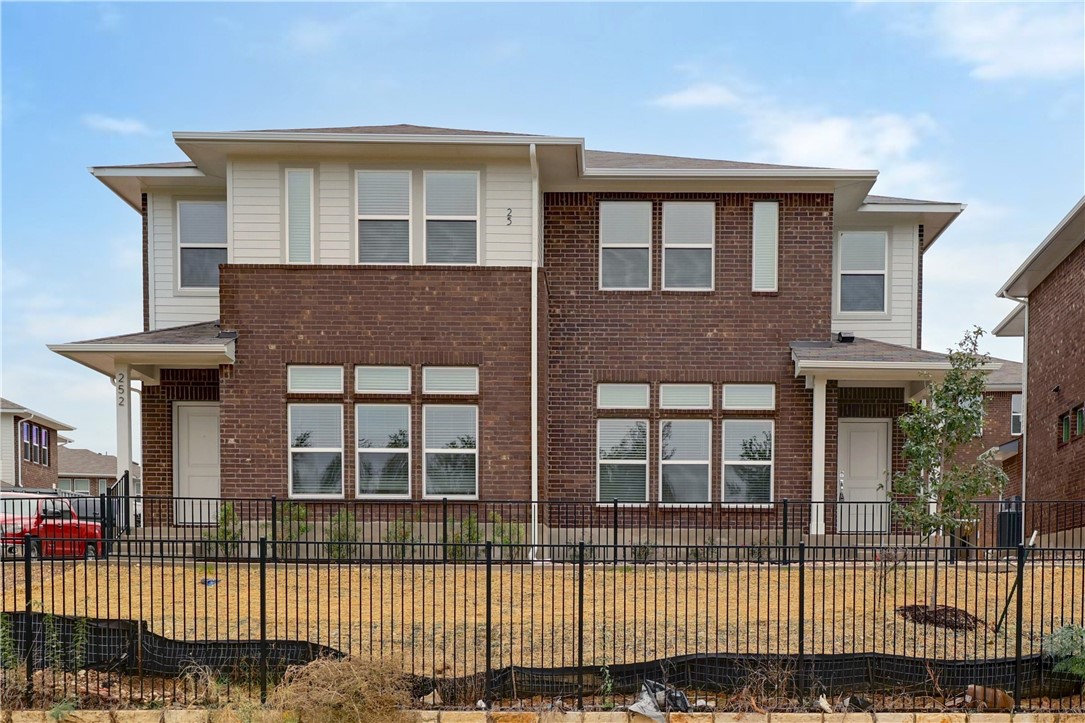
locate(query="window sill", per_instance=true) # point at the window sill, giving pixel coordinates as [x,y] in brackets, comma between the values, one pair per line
[196,292]
[755,292]
[315,498]
[751,506]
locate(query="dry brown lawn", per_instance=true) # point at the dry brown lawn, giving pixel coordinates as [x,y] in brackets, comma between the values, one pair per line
[434,616]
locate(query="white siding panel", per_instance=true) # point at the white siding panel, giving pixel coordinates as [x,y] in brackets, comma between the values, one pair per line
[335,214]
[170,307]
[508,186]
[899,328]
[257,212]
[7,451]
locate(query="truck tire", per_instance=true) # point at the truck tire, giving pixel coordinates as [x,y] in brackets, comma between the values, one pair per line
[90,551]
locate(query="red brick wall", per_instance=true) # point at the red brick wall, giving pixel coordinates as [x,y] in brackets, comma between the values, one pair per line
[1056,357]
[156,416]
[351,315]
[996,430]
[728,335]
[33,474]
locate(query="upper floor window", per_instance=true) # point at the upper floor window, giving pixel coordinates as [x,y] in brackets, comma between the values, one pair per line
[451,205]
[384,217]
[766,242]
[689,240]
[201,237]
[299,215]
[863,271]
[625,245]
[1015,414]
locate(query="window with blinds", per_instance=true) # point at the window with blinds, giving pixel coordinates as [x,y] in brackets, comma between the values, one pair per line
[622,460]
[685,396]
[451,217]
[382,380]
[201,241]
[314,379]
[689,240]
[625,245]
[749,396]
[299,215]
[863,258]
[316,450]
[622,396]
[766,244]
[451,450]
[685,450]
[748,461]
[384,217]
[450,380]
[384,449]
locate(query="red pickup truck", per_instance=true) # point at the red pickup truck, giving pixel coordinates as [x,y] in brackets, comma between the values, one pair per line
[54,528]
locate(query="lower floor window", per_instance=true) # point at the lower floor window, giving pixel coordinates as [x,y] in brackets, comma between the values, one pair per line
[384,449]
[623,460]
[747,461]
[316,450]
[450,434]
[684,452]
[74,485]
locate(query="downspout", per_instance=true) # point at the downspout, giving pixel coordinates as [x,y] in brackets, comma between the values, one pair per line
[1024,422]
[534,350]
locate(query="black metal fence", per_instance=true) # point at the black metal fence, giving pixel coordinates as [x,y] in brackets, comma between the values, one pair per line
[764,608]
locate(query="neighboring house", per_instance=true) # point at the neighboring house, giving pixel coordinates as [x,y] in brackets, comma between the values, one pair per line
[395,312]
[1001,425]
[28,454]
[88,472]
[1050,286]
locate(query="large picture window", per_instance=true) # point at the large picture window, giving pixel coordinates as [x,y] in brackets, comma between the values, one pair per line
[748,461]
[622,460]
[384,449]
[684,467]
[316,450]
[201,237]
[625,245]
[863,271]
[450,434]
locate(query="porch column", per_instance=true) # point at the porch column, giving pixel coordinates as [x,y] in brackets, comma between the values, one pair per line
[122,381]
[817,469]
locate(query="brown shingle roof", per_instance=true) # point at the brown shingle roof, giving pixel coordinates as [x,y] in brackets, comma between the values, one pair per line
[614,159]
[897,201]
[397,129]
[1011,373]
[206,332]
[87,463]
[867,350]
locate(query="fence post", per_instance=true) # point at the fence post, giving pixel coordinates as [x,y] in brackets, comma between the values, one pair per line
[263,620]
[274,527]
[1020,624]
[615,530]
[444,529]
[580,630]
[786,558]
[801,665]
[489,621]
[28,629]
[106,515]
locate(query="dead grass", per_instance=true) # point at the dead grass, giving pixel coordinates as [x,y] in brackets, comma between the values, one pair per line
[350,689]
[433,617]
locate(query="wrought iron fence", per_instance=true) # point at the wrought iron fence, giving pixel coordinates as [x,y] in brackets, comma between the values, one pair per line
[745,609]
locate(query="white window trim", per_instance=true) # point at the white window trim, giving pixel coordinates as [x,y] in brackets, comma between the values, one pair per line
[1020,416]
[599,462]
[312,213]
[839,273]
[724,464]
[735,408]
[443,450]
[707,463]
[706,407]
[358,389]
[711,246]
[427,390]
[196,290]
[753,250]
[358,451]
[476,218]
[599,395]
[600,246]
[359,216]
[293,390]
[291,449]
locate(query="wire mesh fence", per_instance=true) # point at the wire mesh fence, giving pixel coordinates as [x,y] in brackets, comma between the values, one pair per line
[520,604]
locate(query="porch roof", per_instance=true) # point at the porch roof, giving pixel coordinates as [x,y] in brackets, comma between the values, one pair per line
[192,346]
[868,359]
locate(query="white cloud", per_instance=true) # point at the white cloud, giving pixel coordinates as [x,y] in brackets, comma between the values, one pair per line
[314,36]
[109,17]
[118,126]
[701,95]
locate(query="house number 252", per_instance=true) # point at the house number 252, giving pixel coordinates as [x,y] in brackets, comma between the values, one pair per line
[122,388]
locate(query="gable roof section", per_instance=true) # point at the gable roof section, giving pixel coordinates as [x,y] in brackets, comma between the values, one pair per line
[615,159]
[9,407]
[1007,378]
[1063,239]
[88,463]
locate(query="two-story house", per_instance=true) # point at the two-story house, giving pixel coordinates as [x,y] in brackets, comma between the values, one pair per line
[401,312]
[28,453]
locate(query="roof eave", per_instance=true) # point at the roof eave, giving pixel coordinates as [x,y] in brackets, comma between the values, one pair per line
[1060,242]
[146,359]
[317,137]
[829,174]
[1012,326]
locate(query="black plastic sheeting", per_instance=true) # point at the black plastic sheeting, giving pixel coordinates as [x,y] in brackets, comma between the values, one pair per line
[128,647]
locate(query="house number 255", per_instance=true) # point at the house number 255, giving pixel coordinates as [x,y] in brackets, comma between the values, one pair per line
[508,216]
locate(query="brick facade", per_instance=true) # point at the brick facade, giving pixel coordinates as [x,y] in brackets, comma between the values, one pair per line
[353,315]
[996,431]
[156,417]
[728,335]
[30,473]
[1056,358]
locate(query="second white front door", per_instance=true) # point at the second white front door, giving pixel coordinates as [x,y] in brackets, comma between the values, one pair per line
[863,467]
[196,446]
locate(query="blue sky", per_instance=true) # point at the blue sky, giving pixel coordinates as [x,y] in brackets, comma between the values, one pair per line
[978,103]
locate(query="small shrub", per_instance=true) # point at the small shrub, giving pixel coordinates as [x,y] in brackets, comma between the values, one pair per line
[224,539]
[351,689]
[8,653]
[464,542]
[642,552]
[401,535]
[342,533]
[294,525]
[1067,645]
[507,534]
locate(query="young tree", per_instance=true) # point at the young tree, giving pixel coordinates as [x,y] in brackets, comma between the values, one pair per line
[934,492]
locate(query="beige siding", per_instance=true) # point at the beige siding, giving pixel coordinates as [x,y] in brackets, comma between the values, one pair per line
[508,188]
[7,448]
[899,326]
[171,307]
[256,205]
[334,213]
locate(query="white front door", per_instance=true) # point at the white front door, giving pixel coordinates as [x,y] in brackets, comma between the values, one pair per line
[863,476]
[196,454]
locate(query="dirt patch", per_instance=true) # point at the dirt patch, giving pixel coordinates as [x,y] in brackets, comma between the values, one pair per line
[940,616]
